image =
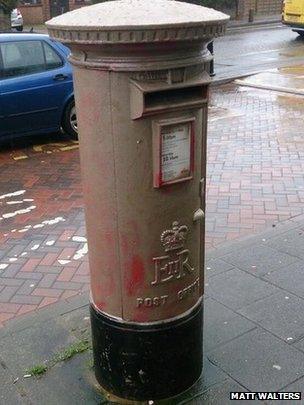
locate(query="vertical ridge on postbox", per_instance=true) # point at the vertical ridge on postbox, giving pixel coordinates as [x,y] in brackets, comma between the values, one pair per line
[99,186]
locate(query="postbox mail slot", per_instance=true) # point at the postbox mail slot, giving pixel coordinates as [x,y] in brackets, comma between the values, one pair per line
[150,98]
[174,98]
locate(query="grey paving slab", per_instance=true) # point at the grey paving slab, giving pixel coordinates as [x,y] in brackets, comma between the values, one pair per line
[9,394]
[259,259]
[222,324]
[281,314]
[69,382]
[291,242]
[216,266]
[297,386]
[211,376]
[291,278]
[259,361]
[247,242]
[33,346]
[236,288]
[77,374]
[39,343]
[294,387]
[43,316]
[300,345]
[217,395]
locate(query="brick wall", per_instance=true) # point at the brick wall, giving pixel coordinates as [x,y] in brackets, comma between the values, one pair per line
[74,4]
[32,14]
[269,6]
[5,22]
[261,7]
[46,9]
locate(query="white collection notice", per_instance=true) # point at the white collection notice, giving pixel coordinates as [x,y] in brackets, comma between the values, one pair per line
[176,152]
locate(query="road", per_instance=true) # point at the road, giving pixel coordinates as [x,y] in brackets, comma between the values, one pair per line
[249,50]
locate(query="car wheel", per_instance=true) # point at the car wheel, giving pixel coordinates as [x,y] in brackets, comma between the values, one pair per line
[69,120]
[20,28]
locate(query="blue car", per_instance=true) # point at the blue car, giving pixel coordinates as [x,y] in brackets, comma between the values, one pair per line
[36,86]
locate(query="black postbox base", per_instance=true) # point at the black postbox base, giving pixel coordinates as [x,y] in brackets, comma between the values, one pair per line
[147,362]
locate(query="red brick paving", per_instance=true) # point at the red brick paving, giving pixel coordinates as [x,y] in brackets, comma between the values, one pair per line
[31,249]
[255,179]
[255,161]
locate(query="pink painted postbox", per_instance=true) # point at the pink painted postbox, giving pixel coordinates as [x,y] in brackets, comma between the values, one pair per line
[141,90]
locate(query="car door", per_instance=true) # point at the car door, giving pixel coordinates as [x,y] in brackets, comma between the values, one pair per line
[34,85]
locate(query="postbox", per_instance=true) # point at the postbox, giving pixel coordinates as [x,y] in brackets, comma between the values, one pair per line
[141,90]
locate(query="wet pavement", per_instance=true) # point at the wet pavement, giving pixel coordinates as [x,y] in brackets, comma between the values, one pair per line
[255,161]
[287,80]
[253,50]
[253,332]
[255,180]
[43,244]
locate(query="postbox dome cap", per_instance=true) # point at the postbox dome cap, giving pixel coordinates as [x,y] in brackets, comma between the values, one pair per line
[130,15]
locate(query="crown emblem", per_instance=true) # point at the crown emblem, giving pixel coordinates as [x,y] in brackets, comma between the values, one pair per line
[175,238]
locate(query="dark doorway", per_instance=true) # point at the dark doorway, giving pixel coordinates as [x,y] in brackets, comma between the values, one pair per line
[59,7]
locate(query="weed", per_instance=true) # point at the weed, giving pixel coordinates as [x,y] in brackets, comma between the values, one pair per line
[66,354]
[70,351]
[37,370]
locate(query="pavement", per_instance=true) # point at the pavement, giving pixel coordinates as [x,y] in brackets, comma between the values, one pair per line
[259,20]
[253,331]
[255,180]
[43,246]
[255,161]
[254,323]
[251,49]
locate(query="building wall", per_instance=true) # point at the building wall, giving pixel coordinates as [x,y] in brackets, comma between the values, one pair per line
[5,21]
[269,6]
[32,14]
[74,4]
[46,9]
[260,7]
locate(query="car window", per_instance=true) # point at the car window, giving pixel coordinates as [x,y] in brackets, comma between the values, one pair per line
[20,58]
[52,59]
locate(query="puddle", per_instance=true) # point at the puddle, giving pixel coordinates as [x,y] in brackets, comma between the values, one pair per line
[291,70]
[293,53]
[218,113]
[276,81]
[289,100]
